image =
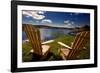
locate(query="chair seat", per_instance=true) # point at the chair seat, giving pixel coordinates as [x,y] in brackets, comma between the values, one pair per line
[64,52]
[45,48]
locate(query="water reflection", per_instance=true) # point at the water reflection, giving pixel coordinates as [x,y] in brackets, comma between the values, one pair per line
[48,34]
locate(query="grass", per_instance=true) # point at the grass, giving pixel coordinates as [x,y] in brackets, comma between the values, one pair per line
[55,46]
[67,39]
[26,56]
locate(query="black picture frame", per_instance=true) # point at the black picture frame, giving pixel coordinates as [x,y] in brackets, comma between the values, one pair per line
[14,32]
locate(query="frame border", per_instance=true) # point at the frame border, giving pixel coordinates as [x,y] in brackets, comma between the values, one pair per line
[14,5]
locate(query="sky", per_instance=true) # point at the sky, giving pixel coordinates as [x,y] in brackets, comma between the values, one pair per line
[67,19]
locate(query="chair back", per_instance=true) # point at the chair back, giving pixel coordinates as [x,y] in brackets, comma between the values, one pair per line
[79,42]
[33,35]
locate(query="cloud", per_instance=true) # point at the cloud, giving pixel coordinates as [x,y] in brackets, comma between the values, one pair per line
[27,13]
[66,22]
[38,15]
[41,12]
[46,21]
[69,23]
[37,21]
[72,22]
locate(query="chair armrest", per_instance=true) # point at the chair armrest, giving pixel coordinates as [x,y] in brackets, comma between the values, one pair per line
[47,42]
[62,44]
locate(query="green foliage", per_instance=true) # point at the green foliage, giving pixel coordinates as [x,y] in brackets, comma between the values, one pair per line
[26,56]
[55,46]
[85,53]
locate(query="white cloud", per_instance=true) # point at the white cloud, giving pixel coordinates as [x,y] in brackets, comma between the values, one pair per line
[41,12]
[66,22]
[69,23]
[34,14]
[27,13]
[46,21]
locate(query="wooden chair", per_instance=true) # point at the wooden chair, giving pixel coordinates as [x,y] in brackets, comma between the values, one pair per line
[33,34]
[71,52]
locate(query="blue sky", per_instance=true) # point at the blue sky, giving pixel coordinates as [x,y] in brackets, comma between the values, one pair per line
[55,18]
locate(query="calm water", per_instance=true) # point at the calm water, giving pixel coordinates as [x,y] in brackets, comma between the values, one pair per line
[48,34]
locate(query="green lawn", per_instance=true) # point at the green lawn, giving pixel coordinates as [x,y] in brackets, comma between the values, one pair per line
[54,46]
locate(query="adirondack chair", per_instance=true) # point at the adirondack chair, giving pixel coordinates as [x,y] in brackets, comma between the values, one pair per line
[71,52]
[40,51]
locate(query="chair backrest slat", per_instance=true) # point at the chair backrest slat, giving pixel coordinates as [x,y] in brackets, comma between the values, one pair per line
[33,35]
[79,42]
